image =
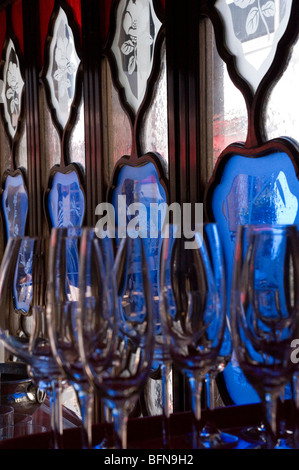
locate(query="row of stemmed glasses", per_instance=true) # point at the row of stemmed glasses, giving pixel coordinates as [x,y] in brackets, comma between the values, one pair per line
[264,313]
[92,320]
[22,281]
[62,310]
[101,324]
[193,313]
[117,354]
[102,328]
[115,328]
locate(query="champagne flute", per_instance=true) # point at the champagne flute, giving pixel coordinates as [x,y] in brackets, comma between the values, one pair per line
[264,312]
[22,292]
[193,306]
[118,372]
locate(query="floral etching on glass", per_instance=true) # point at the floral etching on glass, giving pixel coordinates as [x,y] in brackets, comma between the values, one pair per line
[62,70]
[253,30]
[133,47]
[12,88]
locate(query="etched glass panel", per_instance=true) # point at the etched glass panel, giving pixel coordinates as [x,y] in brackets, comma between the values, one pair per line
[15,206]
[137,27]
[253,29]
[262,190]
[66,203]
[15,209]
[62,69]
[141,186]
[12,88]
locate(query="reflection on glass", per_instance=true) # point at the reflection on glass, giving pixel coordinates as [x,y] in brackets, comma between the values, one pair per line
[66,203]
[50,142]
[253,29]
[62,69]
[118,140]
[77,140]
[252,191]
[230,120]
[137,27]
[154,130]
[281,112]
[15,205]
[21,149]
[22,284]
[141,185]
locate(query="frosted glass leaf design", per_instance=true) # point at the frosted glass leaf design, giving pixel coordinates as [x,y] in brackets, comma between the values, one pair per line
[12,88]
[62,69]
[253,29]
[137,27]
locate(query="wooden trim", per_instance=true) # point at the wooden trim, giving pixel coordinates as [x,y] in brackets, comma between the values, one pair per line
[92,78]
[32,56]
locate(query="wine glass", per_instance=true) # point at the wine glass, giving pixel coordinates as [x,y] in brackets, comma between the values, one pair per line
[117,368]
[62,313]
[264,312]
[193,306]
[22,292]
[214,437]
[62,301]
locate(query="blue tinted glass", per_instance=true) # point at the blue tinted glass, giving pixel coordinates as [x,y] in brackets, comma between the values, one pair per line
[15,209]
[15,206]
[66,203]
[252,191]
[141,185]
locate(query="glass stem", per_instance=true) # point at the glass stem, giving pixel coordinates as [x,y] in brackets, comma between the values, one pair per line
[165,373]
[56,413]
[295,385]
[195,384]
[120,427]
[271,419]
[210,391]
[86,400]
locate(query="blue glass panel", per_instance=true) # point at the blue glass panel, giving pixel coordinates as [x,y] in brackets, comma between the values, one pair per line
[15,209]
[141,185]
[66,203]
[252,191]
[15,205]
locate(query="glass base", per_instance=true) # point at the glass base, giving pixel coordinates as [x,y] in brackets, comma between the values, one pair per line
[217,439]
[106,443]
[257,436]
